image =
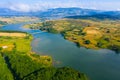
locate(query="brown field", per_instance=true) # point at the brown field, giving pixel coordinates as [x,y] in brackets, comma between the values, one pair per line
[9,47]
[18,19]
[13,34]
[91,30]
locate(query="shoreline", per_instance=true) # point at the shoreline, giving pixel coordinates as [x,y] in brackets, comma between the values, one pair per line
[88,37]
[21,53]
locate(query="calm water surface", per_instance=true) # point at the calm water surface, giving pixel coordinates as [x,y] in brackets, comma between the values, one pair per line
[101,64]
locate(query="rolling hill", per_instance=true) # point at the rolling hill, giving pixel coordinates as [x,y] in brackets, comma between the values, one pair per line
[63,12]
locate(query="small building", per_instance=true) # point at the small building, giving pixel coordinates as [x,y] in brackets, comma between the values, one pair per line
[4,47]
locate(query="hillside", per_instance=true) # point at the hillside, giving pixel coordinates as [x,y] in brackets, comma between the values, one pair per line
[55,12]
[59,12]
[104,16]
[87,33]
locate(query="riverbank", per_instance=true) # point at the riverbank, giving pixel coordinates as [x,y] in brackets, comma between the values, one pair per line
[24,64]
[86,33]
[94,63]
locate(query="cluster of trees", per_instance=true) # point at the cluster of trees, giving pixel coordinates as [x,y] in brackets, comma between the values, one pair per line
[5,73]
[21,64]
[10,31]
[51,73]
[115,48]
[22,67]
[18,63]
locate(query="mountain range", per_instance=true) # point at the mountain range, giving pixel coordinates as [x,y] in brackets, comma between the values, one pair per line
[62,12]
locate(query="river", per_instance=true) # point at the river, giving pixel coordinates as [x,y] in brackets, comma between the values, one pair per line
[101,64]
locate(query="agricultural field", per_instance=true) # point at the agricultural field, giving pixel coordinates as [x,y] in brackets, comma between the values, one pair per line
[9,41]
[94,34]
[12,34]
[11,20]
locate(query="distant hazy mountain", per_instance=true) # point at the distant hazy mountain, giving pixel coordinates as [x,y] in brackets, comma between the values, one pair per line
[60,12]
[96,16]
[51,12]
[9,12]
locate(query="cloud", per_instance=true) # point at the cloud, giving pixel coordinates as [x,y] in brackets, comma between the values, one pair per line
[100,5]
[44,5]
[40,6]
[118,9]
[20,7]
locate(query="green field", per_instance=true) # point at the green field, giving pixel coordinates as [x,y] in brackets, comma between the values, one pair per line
[18,62]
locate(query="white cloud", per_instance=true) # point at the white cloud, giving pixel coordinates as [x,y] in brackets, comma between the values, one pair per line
[118,9]
[23,7]
[43,5]
[20,7]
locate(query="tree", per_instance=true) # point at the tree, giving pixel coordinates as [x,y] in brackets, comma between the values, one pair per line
[87,42]
[99,44]
[1,48]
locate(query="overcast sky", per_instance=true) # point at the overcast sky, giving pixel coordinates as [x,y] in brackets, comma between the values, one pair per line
[35,5]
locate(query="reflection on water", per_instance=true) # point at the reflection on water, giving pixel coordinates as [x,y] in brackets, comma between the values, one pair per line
[97,64]
[101,64]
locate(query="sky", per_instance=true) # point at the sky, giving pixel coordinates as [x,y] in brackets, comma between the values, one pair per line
[37,5]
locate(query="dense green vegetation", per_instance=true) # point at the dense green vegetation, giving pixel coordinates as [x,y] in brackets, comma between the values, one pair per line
[10,31]
[51,73]
[19,63]
[93,34]
[5,73]
[24,68]
[22,64]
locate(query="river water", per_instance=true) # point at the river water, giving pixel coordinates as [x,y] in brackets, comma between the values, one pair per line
[101,64]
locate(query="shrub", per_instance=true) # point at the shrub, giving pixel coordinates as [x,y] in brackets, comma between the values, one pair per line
[87,42]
